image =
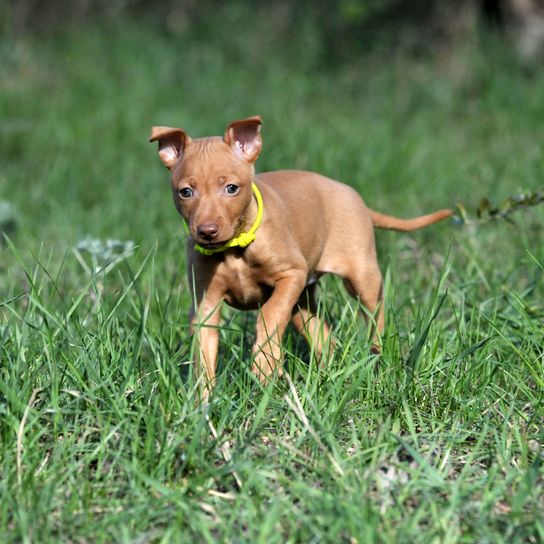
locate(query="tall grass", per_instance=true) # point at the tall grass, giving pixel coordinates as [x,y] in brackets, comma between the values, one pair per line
[438,440]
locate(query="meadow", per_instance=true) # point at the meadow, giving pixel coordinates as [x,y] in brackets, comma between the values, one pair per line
[439,439]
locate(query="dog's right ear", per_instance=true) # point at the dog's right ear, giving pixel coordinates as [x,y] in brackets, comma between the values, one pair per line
[172,142]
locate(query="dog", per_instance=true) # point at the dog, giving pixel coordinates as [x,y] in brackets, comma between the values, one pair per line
[262,242]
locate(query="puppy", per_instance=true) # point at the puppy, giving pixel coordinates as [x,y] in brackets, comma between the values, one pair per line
[262,241]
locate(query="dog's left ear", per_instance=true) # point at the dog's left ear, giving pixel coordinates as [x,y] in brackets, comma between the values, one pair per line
[244,138]
[172,143]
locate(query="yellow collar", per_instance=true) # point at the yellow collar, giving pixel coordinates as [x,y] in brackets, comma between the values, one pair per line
[244,238]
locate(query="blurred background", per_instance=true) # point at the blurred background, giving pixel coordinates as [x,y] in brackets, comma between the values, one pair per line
[343,28]
[418,104]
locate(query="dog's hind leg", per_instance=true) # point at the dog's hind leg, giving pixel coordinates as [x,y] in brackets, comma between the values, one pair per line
[365,284]
[306,320]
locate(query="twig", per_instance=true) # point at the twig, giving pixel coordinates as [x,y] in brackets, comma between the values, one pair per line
[20,434]
[296,406]
[486,211]
[225,451]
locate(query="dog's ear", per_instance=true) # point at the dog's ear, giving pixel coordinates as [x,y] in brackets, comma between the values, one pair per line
[244,138]
[172,142]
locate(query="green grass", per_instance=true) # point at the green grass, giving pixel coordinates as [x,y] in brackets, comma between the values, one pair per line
[438,440]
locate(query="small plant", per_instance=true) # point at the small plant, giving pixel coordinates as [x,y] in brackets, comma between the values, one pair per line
[8,217]
[103,256]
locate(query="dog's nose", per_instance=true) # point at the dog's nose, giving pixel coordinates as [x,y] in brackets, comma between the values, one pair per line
[208,231]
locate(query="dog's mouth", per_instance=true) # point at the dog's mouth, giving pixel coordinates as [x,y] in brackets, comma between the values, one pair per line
[214,243]
[211,244]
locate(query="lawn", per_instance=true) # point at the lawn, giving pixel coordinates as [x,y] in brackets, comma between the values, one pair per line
[439,439]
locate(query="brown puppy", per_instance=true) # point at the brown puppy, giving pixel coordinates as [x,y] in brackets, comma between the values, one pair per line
[268,254]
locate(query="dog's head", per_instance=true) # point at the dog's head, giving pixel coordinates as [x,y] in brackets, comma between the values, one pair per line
[212,177]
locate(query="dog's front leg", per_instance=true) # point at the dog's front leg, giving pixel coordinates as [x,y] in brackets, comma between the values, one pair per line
[205,328]
[271,322]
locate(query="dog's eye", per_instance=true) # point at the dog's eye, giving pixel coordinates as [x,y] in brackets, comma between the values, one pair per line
[185,192]
[231,189]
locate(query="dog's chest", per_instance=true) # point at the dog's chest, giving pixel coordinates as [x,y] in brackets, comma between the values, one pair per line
[245,289]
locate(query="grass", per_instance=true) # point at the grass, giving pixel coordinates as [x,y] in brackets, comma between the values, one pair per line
[438,440]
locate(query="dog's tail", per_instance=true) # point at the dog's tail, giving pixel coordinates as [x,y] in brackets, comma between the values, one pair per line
[383,221]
